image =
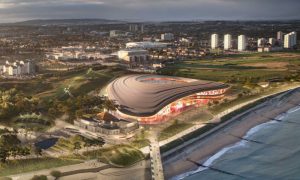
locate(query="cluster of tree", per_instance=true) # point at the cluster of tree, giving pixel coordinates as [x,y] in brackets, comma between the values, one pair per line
[13,103]
[79,106]
[10,146]
[33,118]
[39,177]
[78,142]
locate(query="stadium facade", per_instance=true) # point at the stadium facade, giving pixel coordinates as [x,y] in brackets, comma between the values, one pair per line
[152,99]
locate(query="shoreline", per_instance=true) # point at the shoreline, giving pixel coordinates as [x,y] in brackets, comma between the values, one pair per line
[229,134]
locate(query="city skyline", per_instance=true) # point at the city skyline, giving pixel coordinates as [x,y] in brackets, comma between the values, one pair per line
[141,10]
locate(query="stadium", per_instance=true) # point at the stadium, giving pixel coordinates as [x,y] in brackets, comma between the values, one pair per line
[153,99]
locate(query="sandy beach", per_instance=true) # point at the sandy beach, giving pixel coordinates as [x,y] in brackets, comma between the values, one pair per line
[231,133]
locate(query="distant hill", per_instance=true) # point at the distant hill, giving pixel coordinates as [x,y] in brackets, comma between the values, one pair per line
[51,22]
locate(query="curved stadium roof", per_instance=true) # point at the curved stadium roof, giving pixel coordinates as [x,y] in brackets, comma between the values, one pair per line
[145,95]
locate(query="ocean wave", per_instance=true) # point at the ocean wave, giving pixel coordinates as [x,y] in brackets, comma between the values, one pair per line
[286,114]
[219,154]
[184,175]
[212,159]
[237,145]
[297,108]
[259,127]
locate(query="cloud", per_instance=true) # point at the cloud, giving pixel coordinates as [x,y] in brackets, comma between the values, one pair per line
[19,3]
[15,10]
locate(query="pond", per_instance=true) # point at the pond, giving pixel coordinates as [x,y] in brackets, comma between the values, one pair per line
[47,143]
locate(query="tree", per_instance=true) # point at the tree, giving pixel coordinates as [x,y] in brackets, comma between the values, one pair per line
[25,151]
[143,134]
[77,146]
[55,174]
[209,103]
[87,144]
[176,122]
[37,151]
[3,154]
[109,105]
[39,177]
[216,102]
[9,140]
[13,151]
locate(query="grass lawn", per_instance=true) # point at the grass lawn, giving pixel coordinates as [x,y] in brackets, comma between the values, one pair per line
[118,155]
[140,143]
[173,129]
[79,83]
[22,166]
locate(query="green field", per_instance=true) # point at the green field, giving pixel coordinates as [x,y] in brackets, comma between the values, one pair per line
[239,68]
[81,83]
[173,129]
[118,155]
[52,85]
[22,166]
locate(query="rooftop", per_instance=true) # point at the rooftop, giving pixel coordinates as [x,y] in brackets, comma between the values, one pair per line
[145,95]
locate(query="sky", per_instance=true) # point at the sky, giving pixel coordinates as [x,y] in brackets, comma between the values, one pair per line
[149,10]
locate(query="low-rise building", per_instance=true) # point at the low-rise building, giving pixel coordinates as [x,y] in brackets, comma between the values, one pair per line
[158,65]
[134,57]
[107,124]
[261,42]
[167,37]
[269,49]
[118,33]
[146,45]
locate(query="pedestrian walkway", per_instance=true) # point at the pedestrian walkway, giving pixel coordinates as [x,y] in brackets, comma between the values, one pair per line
[155,159]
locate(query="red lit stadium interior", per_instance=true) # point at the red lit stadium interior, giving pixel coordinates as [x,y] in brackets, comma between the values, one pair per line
[194,101]
[197,100]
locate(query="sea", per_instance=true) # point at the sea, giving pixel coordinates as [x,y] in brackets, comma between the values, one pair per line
[270,151]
